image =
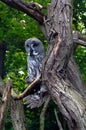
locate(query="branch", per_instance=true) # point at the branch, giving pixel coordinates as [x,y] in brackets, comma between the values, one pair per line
[79,39]
[16,107]
[42,115]
[58,121]
[30,8]
[5,100]
[2,87]
[17,115]
[26,91]
[81,36]
[80,42]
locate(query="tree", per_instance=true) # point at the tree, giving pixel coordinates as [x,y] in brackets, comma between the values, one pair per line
[60,72]
[2,57]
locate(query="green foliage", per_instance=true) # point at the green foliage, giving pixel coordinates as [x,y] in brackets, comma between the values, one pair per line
[8,123]
[80,57]
[15,28]
[79,23]
[79,15]
[32,118]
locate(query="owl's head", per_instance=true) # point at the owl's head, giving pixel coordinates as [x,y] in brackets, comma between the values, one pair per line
[34,47]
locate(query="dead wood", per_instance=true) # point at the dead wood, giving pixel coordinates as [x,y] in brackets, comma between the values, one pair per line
[26,91]
[60,72]
[4,106]
[17,115]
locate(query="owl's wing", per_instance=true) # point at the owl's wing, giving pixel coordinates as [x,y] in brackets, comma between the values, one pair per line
[36,99]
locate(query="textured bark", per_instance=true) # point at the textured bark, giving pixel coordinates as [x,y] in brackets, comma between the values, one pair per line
[16,107]
[17,115]
[74,77]
[4,106]
[60,72]
[79,39]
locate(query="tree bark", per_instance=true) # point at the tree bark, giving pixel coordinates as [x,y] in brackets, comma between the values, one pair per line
[60,72]
[16,107]
[4,106]
[57,68]
[17,115]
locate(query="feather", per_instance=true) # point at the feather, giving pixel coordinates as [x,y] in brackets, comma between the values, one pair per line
[35,54]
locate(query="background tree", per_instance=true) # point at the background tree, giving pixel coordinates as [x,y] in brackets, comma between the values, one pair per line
[2,58]
[22,40]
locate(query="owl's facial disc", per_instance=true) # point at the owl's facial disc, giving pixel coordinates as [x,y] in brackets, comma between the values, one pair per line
[33,53]
[33,50]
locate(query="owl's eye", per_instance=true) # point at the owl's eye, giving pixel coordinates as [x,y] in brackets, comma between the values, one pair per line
[27,45]
[35,45]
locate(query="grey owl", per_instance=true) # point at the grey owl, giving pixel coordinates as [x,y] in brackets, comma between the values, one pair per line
[35,54]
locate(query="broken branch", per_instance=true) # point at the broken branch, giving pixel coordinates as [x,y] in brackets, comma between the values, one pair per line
[79,39]
[5,100]
[30,8]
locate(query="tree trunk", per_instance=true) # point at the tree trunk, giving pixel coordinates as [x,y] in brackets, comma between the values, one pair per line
[57,72]
[17,115]
[4,104]
[60,72]
[16,106]
[2,58]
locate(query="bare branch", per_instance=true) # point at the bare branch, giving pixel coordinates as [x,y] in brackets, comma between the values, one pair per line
[16,107]
[5,100]
[42,115]
[30,8]
[81,36]
[80,42]
[58,121]
[26,91]
[79,39]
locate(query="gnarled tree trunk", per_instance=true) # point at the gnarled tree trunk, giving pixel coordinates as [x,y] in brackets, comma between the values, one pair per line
[60,72]
[60,82]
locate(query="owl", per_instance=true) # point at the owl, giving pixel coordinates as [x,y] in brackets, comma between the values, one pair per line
[35,54]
